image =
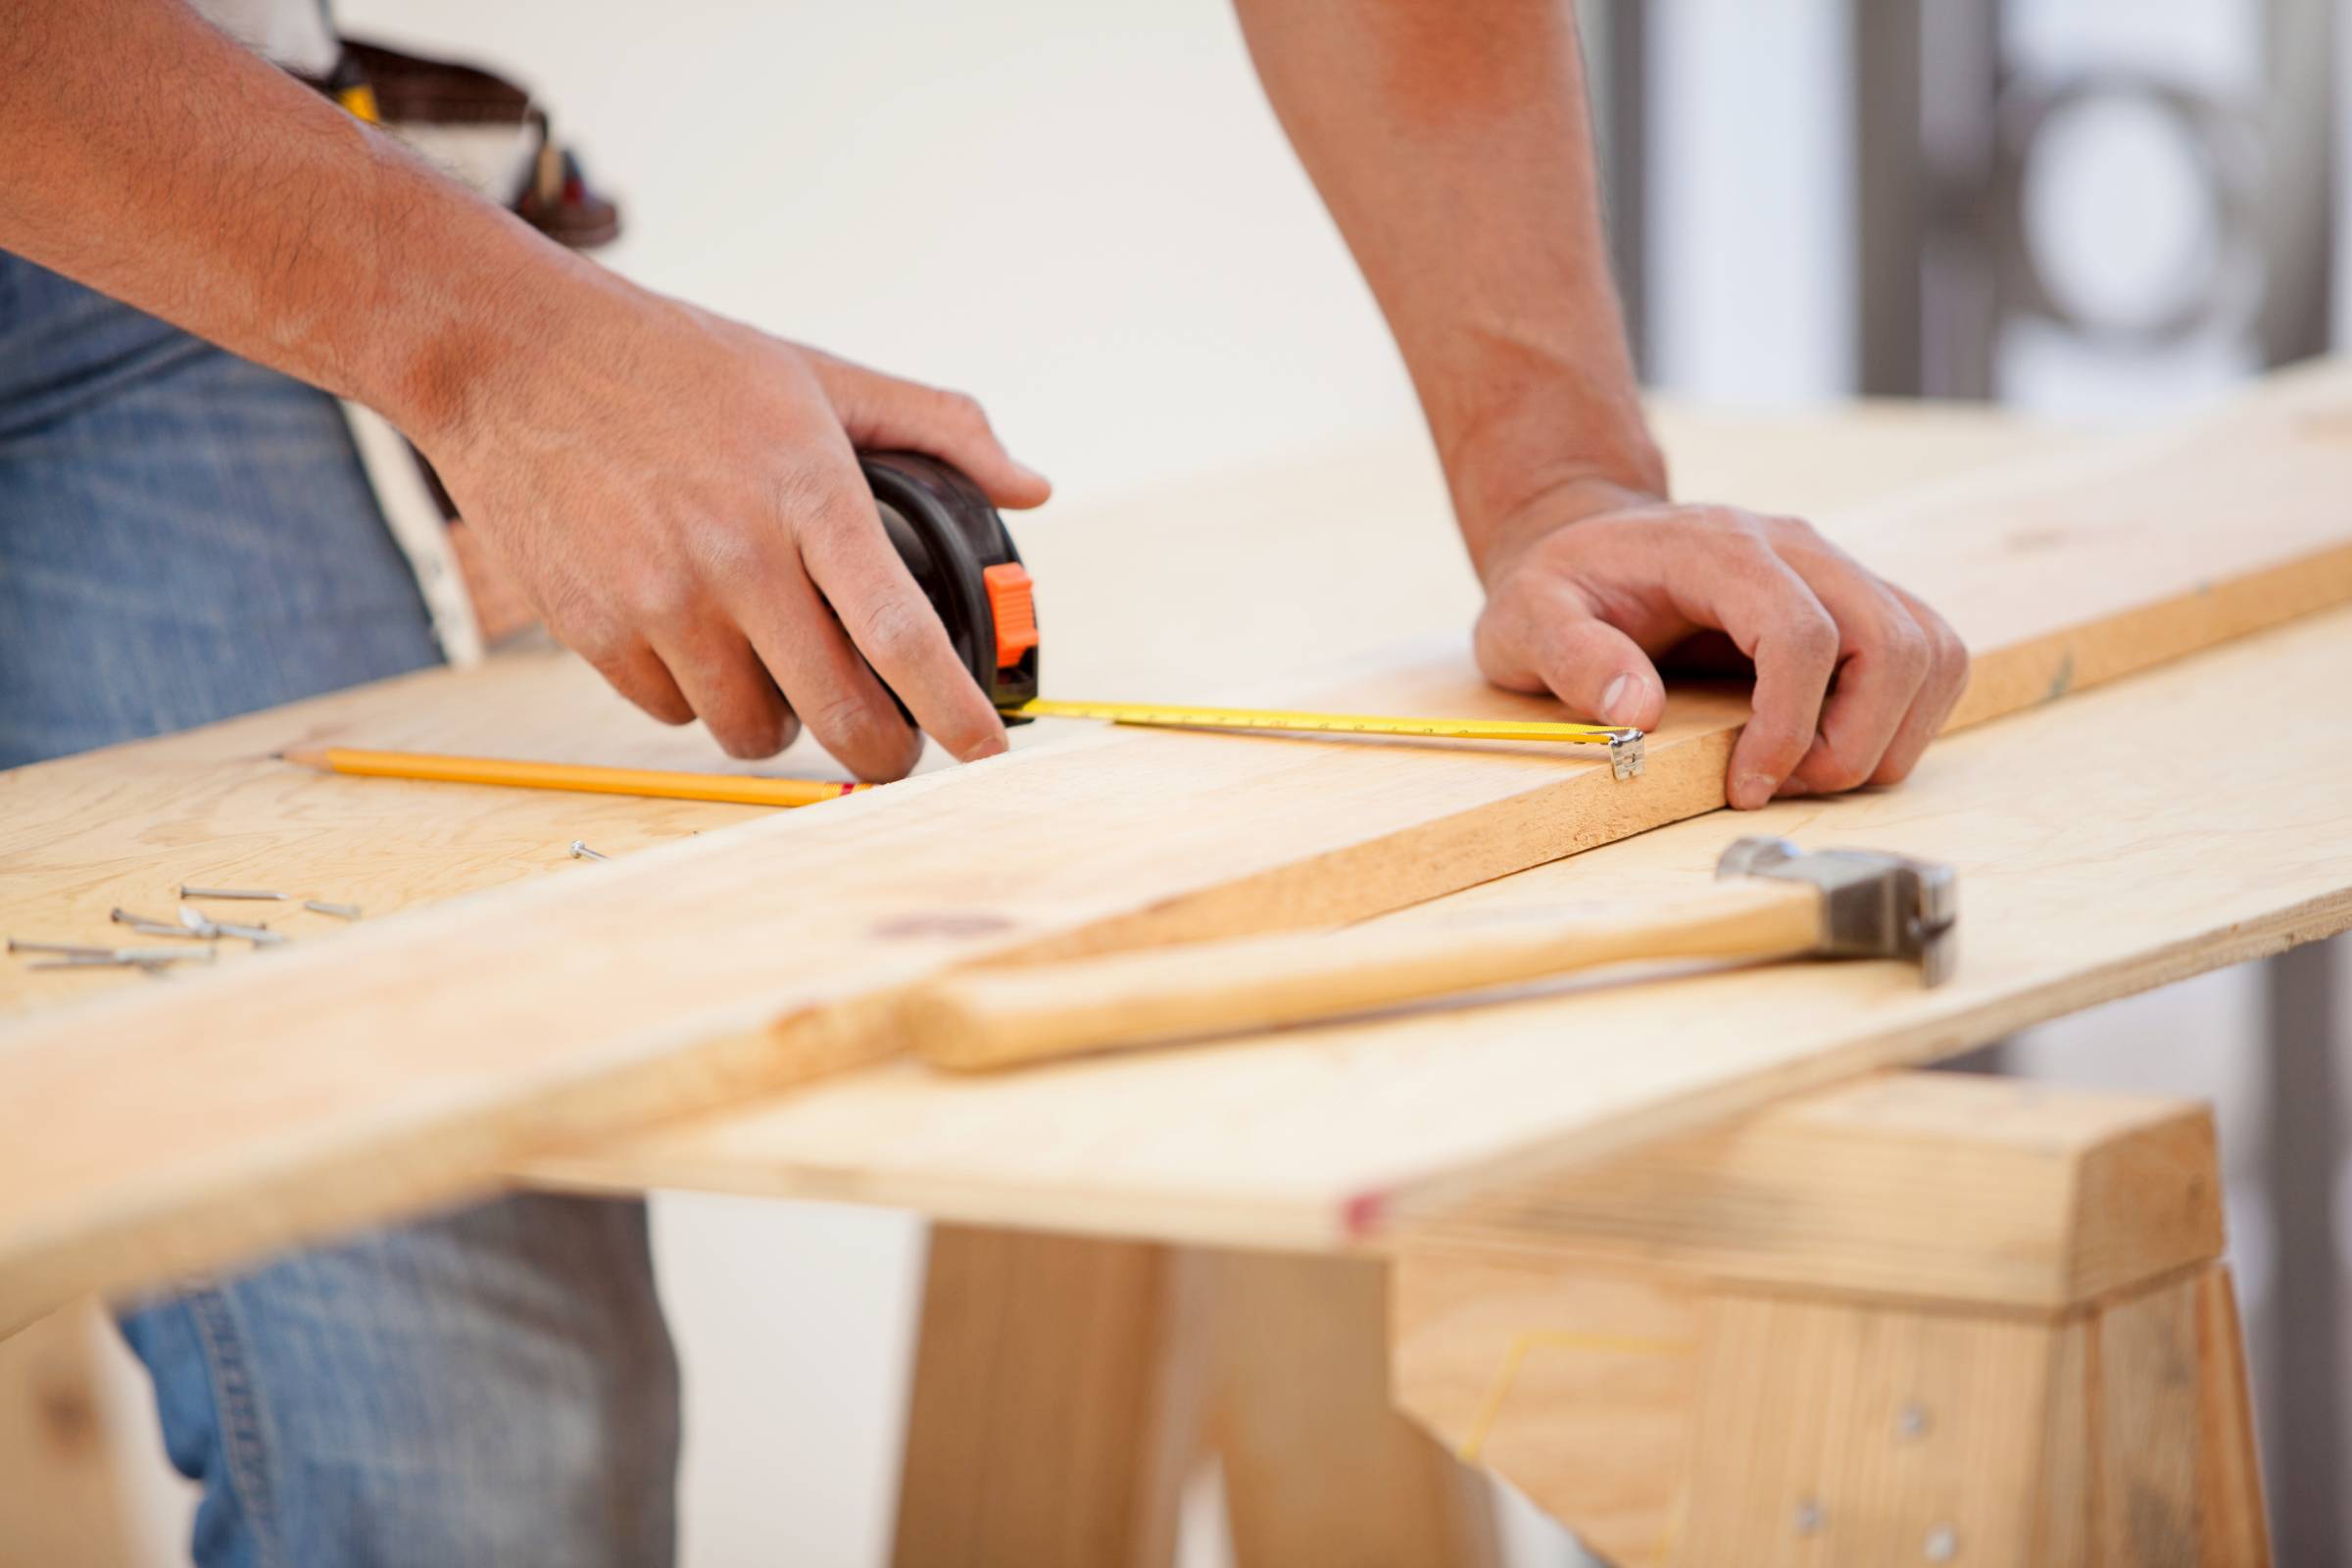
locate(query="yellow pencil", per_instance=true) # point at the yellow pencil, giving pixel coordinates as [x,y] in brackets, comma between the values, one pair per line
[731,787]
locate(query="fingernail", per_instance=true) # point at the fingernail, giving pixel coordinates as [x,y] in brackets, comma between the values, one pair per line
[1612,700]
[1752,790]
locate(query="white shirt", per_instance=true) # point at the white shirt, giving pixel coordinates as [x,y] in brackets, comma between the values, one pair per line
[293,33]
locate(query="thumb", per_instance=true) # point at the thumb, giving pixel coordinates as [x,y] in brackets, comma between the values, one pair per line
[1556,644]
[881,412]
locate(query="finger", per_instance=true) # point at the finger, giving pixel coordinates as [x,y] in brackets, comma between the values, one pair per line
[738,702]
[1939,693]
[881,411]
[1884,660]
[826,682]
[860,575]
[1554,642]
[632,668]
[1768,612]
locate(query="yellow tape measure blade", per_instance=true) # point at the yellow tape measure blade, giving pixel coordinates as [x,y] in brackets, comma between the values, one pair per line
[1624,745]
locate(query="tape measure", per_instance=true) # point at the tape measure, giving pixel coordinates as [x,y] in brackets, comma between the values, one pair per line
[962,555]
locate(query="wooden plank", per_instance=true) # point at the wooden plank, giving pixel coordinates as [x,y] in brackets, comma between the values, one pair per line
[2230,1518]
[160,1130]
[60,1504]
[1573,1384]
[1065,1389]
[1948,1187]
[2092,865]
[1055,1410]
[210,808]
[1725,1347]
[1800,1450]
[1319,1465]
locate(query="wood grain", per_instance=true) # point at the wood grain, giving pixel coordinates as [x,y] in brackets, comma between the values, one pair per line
[1008,1016]
[1866,1319]
[1944,1186]
[409,1060]
[1054,1416]
[1319,1464]
[61,1500]
[2100,853]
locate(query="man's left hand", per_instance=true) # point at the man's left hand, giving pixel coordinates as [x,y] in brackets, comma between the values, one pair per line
[1588,592]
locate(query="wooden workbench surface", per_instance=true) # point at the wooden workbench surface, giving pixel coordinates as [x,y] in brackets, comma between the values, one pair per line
[2175,822]
[1307,1141]
[126,827]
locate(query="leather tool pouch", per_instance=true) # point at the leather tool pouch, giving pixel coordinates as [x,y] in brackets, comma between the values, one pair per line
[483,128]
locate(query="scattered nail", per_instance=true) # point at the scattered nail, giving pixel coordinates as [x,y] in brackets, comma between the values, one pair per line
[581,851]
[148,926]
[69,950]
[196,921]
[341,911]
[260,936]
[149,959]
[187,892]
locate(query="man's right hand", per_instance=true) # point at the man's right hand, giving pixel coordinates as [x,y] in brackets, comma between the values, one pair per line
[678,496]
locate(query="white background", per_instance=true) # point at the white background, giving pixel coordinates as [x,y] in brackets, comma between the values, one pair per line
[1083,212]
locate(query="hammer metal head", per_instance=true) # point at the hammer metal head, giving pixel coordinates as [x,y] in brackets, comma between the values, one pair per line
[1873,905]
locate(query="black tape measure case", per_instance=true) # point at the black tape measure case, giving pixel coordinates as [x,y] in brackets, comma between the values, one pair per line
[960,553]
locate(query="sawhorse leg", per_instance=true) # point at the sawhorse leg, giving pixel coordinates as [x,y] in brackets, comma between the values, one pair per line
[1066,1388]
[1928,1318]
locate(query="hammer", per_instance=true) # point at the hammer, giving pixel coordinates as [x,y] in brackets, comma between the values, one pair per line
[1774,901]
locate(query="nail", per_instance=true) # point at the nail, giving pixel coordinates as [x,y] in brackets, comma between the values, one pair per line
[581,851]
[1752,790]
[148,927]
[187,892]
[341,911]
[67,949]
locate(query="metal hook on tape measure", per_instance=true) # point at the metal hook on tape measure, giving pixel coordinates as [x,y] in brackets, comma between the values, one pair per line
[962,555]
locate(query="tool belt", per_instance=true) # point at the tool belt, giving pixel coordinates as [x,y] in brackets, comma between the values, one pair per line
[482,130]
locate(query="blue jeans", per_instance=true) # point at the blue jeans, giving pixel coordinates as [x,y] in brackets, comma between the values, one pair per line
[184,536]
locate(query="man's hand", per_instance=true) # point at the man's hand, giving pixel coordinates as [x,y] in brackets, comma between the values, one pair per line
[1853,676]
[678,496]
[1453,141]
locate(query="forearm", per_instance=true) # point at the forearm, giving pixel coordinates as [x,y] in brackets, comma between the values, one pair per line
[147,156]
[1451,141]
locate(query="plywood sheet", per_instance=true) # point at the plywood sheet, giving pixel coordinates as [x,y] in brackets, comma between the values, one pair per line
[2105,845]
[179,1126]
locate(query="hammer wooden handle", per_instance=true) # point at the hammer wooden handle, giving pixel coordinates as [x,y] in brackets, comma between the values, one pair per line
[1002,1017]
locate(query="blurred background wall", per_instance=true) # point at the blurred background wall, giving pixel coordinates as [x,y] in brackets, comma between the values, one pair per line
[2095,209]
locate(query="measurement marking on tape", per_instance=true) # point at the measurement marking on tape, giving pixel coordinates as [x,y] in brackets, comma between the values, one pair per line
[1624,745]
